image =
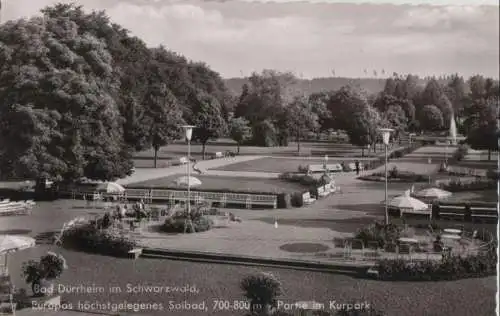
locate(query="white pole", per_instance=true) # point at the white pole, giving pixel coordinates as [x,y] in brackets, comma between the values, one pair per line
[386,212]
[189,186]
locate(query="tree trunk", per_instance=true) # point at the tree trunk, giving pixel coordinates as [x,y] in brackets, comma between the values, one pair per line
[298,142]
[362,151]
[203,148]
[238,148]
[489,154]
[156,148]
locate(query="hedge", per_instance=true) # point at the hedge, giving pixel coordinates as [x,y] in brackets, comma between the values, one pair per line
[449,268]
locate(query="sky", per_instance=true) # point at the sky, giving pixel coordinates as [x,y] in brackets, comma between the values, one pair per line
[312,39]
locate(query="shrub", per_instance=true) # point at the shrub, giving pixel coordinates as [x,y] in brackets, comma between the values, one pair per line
[175,224]
[303,169]
[459,186]
[450,268]
[296,199]
[90,239]
[262,290]
[461,152]
[379,233]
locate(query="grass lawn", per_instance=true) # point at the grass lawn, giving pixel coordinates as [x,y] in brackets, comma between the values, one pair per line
[178,149]
[278,165]
[221,282]
[227,183]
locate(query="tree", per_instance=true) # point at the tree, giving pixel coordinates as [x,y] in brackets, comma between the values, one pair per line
[431,118]
[319,107]
[301,118]
[482,125]
[396,119]
[163,116]
[240,131]
[363,129]
[209,121]
[457,92]
[66,100]
[385,101]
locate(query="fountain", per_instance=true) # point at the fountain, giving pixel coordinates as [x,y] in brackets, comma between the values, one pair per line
[453,131]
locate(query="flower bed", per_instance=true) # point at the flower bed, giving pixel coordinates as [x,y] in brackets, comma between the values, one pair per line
[476,185]
[380,233]
[395,175]
[89,238]
[450,268]
[177,222]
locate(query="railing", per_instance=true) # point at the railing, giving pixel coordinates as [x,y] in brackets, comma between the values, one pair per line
[149,195]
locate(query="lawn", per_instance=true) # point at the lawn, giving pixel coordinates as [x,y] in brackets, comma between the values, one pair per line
[227,184]
[278,165]
[221,282]
[178,149]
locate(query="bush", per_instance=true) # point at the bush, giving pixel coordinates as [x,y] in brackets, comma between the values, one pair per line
[461,152]
[296,199]
[303,169]
[90,239]
[305,180]
[262,290]
[380,233]
[450,268]
[176,223]
[458,186]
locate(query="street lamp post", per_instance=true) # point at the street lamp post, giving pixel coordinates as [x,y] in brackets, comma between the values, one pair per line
[188,129]
[386,135]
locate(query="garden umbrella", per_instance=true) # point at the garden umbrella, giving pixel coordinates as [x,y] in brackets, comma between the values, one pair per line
[407,202]
[185,181]
[433,193]
[13,243]
[110,187]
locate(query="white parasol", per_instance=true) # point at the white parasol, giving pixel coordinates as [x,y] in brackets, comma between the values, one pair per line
[13,243]
[110,187]
[185,181]
[407,202]
[433,193]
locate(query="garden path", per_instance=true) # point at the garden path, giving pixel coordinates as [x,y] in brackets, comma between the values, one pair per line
[144,174]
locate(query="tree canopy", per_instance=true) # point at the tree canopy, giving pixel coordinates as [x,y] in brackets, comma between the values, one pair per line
[88,94]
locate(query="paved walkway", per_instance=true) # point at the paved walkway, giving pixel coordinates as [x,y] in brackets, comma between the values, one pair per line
[145,174]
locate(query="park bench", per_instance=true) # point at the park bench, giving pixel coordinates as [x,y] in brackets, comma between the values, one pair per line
[452,211]
[135,253]
[481,213]
[183,160]
[307,199]
[322,192]
[218,155]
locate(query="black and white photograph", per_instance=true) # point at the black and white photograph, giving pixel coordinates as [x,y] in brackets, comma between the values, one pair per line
[249,158]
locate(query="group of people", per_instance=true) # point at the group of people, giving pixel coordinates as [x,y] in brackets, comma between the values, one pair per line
[138,209]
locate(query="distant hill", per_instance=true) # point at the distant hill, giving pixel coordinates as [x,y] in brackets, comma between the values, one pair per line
[370,85]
